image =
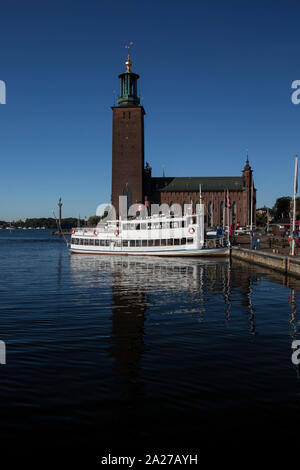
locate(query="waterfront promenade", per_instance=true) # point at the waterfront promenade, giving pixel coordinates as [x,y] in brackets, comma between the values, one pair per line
[274,255]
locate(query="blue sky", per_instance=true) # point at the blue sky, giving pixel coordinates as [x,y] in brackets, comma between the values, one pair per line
[215,80]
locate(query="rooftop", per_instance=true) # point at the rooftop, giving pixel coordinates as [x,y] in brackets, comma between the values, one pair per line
[191,184]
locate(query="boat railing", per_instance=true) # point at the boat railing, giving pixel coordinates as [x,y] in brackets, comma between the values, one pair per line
[216,242]
[92,230]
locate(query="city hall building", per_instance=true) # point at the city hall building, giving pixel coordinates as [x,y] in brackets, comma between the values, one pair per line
[133,178]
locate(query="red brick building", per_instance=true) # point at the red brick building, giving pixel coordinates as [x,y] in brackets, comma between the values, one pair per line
[131,177]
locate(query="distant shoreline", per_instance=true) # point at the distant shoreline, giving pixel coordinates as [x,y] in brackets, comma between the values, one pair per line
[42,223]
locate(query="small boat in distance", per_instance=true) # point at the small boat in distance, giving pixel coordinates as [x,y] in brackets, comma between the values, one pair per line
[158,235]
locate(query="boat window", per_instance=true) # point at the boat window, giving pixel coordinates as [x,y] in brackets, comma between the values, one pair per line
[132,242]
[156,225]
[102,242]
[149,226]
[86,241]
[125,226]
[92,242]
[132,227]
[118,242]
[183,241]
[176,241]
[190,240]
[144,242]
[143,226]
[81,241]
[138,226]
[107,242]
[150,242]
[125,243]
[165,225]
[157,242]
[138,243]
[97,242]
[170,242]
[163,242]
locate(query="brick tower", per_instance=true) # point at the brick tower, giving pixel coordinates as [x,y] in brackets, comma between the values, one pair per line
[128,142]
[248,194]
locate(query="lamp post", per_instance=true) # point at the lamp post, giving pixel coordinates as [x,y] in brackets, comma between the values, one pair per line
[59,212]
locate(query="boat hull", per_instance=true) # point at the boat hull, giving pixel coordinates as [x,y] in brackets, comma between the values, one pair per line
[167,253]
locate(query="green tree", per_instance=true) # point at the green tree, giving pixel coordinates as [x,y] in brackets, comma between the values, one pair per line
[282,207]
[261,219]
[93,221]
[69,222]
[298,208]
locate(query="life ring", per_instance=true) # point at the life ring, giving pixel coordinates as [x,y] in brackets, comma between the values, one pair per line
[95,232]
[117,232]
[211,243]
[191,230]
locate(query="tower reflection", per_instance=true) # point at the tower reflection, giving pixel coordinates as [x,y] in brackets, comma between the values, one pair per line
[210,291]
[128,315]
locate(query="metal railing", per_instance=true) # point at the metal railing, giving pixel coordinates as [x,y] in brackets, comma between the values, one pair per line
[219,242]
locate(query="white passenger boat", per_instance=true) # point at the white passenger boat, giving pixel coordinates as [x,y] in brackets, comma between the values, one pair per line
[158,235]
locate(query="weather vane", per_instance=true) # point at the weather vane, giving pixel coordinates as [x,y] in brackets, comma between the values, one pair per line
[128,61]
[128,47]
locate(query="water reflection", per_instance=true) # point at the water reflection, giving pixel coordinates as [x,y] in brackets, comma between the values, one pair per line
[204,290]
[128,314]
[134,280]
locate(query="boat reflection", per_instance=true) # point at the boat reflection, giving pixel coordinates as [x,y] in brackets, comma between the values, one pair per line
[204,290]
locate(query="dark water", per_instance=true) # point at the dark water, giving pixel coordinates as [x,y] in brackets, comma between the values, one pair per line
[110,351]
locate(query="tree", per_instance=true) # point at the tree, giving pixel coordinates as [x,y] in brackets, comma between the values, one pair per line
[282,207]
[261,219]
[298,208]
[93,221]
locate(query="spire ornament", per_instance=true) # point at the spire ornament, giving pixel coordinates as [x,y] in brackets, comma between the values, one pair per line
[128,62]
[128,84]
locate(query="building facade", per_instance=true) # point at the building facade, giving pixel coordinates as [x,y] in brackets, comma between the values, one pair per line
[133,178]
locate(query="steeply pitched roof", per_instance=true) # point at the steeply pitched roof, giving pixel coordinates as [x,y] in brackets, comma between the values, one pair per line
[191,184]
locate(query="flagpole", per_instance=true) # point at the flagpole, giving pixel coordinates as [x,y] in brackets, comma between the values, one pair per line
[294,208]
[228,237]
[201,216]
[224,212]
[251,205]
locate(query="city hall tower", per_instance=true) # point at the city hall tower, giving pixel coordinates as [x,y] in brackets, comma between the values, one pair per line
[128,141]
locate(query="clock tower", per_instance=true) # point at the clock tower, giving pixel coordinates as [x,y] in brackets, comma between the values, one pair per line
[128,142]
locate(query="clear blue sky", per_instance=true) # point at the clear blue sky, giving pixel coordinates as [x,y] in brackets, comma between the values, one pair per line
[215,79]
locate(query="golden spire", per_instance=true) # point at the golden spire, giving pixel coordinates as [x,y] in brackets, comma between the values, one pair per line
[128,62]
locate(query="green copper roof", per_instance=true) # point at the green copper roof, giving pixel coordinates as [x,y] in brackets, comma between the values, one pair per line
[208,183]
